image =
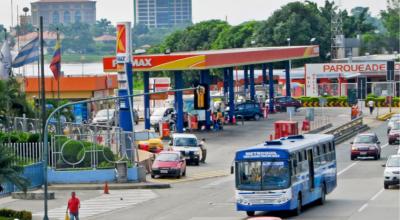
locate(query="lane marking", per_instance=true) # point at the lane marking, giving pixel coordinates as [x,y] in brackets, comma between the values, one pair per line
[385,145]
[363,207]
[377,194]
[347,168]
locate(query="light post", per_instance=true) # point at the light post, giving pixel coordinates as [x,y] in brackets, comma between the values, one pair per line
[290,63]
[312,40]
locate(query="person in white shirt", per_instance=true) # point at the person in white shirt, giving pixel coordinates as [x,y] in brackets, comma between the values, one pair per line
[203,150]
[371,105]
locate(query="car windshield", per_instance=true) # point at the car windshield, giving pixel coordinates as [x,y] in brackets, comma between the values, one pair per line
[185,142]
[396,126]
[266,175]
[364,139]
[167,157]
[393,162]
[159,112]
[152,135]
[103,113]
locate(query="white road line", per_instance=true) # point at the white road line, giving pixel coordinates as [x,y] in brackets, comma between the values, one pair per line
[385,145]
[218,182]
[377,194]
[105,203]
[363,207]
[347,168]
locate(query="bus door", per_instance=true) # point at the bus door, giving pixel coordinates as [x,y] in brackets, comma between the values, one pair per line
[310,159]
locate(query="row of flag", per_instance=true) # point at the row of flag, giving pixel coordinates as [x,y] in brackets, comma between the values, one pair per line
[29,53]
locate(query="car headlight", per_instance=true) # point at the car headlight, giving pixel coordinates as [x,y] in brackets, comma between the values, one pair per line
[197,153]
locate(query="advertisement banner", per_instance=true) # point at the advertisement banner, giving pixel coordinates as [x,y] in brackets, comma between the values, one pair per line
[124,44]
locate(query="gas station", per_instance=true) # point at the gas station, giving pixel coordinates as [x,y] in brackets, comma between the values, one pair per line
[204,61]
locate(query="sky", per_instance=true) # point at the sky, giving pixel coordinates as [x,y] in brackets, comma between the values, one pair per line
[235,11]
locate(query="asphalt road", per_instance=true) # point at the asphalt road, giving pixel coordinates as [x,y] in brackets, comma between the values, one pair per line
[359,195]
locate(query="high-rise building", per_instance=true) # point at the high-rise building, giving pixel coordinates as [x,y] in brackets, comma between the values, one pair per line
[63,11]
[163,13]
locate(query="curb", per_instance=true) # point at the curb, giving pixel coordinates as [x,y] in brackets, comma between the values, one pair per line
[384,117]
[111,186]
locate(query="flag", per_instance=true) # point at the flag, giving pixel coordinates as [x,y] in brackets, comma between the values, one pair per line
[55,64]
[5,61]
[28,54]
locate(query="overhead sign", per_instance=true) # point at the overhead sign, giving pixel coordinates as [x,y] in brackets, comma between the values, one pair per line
[311,71]
[159,84]
[124,43]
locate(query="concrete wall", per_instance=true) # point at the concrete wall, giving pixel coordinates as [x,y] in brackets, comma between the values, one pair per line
[88,176]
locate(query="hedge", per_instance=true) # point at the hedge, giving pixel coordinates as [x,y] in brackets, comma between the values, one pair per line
[341,101]
[21,215]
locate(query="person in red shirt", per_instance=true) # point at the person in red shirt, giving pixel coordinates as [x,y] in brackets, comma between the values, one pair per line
[73,206]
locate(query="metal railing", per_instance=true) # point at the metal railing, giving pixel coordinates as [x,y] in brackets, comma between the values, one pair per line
[348,130]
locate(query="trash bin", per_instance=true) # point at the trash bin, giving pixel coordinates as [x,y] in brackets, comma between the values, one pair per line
[122,171]
[306,125]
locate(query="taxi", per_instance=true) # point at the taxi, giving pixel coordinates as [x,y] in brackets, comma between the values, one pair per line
[149,141]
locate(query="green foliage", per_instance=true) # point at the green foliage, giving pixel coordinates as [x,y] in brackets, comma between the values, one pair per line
[103,27]
[33,138]
[9,172]
[104,154]
[12,214]
[236,36]
[12,101]
[391,21]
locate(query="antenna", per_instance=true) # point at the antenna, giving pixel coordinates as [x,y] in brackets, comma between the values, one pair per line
[337,36]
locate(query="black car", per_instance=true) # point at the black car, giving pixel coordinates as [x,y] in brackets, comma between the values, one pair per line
[281,103]
[248,110]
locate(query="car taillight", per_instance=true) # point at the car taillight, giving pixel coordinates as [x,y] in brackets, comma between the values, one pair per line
[354,148]
[143,146]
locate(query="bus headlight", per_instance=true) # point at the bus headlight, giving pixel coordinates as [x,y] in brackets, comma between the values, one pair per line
[197,153]
[285,197]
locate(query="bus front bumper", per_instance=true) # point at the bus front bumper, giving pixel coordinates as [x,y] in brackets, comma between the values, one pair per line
[264,207]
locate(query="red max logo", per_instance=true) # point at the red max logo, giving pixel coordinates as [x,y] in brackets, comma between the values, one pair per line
[121,39]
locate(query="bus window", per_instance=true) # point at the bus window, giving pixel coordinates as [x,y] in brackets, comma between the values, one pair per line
[305,155]
[275,175]
[249,175]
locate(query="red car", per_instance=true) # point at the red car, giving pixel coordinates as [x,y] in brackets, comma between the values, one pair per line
[169,163]
[366,145]
[394,133]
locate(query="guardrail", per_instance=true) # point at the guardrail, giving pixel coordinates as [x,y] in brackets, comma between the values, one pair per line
[348,130]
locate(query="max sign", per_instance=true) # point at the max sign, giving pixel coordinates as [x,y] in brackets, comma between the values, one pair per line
[123,46]
[137,62]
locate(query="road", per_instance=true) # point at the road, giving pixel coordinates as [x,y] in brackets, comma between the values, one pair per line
[359,194]
[208,191]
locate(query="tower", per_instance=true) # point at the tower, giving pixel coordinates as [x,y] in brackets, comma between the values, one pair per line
[337,36]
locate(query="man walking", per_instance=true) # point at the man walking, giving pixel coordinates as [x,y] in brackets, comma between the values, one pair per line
[371,105]
[203,150]
[73,206]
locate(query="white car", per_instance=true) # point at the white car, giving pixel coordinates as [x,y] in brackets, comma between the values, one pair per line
[392,171]
[394,118]
[188,145]
[160,114]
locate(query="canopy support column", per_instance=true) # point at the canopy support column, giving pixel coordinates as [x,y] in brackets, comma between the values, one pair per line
[271,87]
[146,77]
[179,101]
[205,78]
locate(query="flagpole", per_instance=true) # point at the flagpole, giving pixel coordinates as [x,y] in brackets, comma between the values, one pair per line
[39,87]
[45,153]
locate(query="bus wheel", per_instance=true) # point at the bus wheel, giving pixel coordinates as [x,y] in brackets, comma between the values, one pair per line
[250,213]
[297,211]
[323,195]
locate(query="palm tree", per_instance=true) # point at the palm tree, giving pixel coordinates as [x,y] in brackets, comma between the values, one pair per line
[9,171]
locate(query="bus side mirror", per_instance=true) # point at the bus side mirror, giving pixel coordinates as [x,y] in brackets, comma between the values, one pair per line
[232,170]
[295,163]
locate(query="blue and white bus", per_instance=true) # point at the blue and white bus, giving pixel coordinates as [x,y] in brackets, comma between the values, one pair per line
[285,174]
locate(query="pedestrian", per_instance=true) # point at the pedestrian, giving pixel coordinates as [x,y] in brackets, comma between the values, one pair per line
[203,150]
[353,112]
[371,105]
[73,206]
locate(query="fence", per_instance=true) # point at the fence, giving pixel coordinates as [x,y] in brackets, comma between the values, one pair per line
[34,173]
[27,153]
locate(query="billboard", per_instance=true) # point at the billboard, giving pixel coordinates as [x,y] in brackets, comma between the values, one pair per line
[124,43]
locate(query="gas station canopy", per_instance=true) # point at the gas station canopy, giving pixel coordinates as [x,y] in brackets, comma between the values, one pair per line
[212,59]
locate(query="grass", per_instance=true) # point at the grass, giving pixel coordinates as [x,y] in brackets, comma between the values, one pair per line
[4,218]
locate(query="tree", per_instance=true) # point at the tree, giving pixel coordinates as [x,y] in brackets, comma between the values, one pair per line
[237,36]
[78,37]
[391,21]
[9,172]
[102,27]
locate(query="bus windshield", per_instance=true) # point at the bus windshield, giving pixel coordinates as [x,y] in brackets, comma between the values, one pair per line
[263,175]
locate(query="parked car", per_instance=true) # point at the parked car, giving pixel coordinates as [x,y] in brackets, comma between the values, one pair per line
[392,120]
[109,117]
[248,110]
[281,103]
[160,114]
[392,171]
[394,133]
[169,163]
[366,145]
[149,141]
[188,145]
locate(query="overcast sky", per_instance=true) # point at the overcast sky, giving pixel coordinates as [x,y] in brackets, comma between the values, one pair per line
[236,11]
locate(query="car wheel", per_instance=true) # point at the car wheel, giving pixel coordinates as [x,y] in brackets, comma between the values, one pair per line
[256,117]
[391,142]
[178,176]
[153,176]
[352,158]
[386,186]
[323,195]
[376,157]
[184,172]
[250,213]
